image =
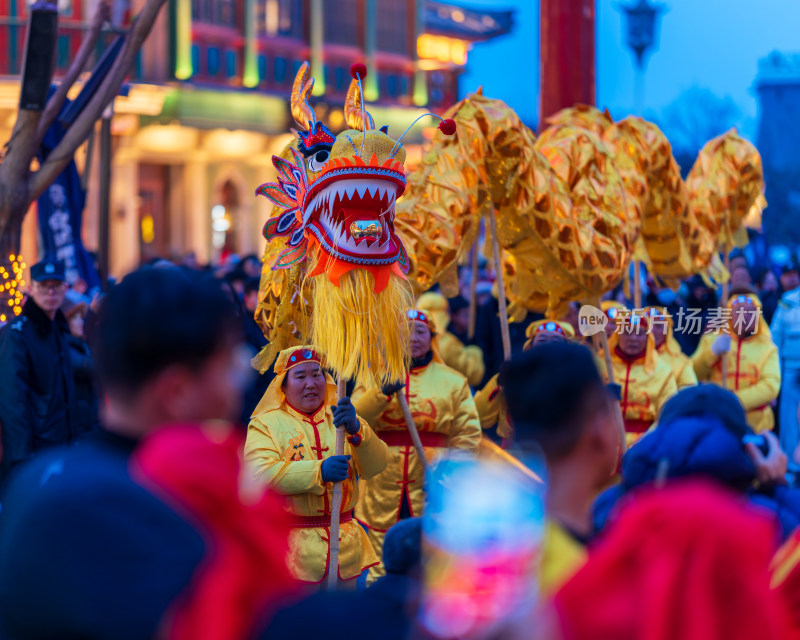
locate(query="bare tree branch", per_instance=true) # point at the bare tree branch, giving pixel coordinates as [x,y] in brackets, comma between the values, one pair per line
[80,129]
[53,108]
[14,169]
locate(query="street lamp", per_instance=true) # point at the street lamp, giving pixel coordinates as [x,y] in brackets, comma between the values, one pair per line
[641,21]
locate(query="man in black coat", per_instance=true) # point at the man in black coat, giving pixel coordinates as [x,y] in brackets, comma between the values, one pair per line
[36,395]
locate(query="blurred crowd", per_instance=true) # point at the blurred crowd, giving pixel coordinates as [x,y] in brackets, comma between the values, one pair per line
[155,486]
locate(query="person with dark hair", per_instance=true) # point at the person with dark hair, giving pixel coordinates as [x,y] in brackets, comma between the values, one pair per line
[291,445]
[37,395]
[753,366]
[85,385]
[466,359]
[790,278]
[700,302]
[256,341]
[130,534]
[237,279]
[251,265]
[459,318]
[559,405]
[769,292]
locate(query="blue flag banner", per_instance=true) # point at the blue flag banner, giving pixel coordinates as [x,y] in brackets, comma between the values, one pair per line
[60,210]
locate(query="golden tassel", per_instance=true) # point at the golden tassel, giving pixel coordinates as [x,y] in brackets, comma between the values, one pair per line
[365,336]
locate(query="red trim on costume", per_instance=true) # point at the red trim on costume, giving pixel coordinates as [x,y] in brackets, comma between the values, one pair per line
[637,426]
[624,403]
[354,440]
[738,362]
[397,438]
[369,526]
[328,561]
[317,522]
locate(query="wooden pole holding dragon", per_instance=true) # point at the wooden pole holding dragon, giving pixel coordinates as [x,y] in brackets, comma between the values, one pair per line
[344,287]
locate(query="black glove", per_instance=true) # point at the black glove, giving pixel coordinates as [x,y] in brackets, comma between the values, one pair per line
[344,415]
[391,389]
[335,468]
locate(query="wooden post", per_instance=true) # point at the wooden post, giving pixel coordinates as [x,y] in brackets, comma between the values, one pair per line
[336,501]
[105,193]
[501,290]
[725,289]
[603,338]
[412,429]
[473,296]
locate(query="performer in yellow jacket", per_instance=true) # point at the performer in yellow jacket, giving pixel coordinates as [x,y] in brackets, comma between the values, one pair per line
[646,380]
[290,444]
[661,326]
[466,359]
[754,373]
[445,416]
[489,400]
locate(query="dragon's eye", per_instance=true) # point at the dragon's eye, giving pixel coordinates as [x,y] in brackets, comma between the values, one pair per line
[316,161]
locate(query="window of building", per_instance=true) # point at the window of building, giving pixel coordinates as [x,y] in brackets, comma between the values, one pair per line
[341,79]
[62,55]
[230,63]
[392,26]
[262,66]
[218,12]
[213,61]
[280,70]
[196,58]
[280,18]
[341,25]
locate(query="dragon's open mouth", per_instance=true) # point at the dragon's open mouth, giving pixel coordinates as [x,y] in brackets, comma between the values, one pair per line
[356,217]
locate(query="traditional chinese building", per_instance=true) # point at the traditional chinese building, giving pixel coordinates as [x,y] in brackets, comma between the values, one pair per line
[207,104]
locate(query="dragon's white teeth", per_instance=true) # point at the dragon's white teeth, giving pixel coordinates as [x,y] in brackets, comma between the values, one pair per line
[350,189]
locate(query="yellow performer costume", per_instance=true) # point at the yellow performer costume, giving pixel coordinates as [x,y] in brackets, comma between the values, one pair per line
[445,416]
[286,448]
[754,373]
[646,384]
[562,556]
[466,359]
[489,400]
[670,351]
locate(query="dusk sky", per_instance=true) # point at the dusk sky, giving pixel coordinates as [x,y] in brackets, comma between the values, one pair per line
[711,44]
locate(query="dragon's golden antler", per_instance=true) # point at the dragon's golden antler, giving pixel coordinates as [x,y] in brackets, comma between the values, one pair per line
[354,112]
[302,112]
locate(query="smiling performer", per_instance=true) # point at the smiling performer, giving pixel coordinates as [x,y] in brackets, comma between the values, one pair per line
[290,442]
[445,416]
[646,380]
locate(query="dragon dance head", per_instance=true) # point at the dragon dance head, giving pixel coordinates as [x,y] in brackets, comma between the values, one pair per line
[335,207]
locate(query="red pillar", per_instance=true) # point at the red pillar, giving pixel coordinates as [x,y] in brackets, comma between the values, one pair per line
[566,55]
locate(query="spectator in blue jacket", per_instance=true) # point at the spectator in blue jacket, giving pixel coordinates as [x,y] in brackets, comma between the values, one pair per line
[703,431]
